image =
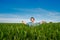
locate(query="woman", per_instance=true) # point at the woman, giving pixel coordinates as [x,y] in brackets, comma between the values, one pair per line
[32,19]
[32,23]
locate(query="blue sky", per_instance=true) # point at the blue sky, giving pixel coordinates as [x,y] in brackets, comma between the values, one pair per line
[18,10]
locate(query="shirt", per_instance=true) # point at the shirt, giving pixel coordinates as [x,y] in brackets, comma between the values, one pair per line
[32,24]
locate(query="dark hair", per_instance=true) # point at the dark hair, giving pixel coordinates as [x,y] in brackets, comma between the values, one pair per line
[32,18]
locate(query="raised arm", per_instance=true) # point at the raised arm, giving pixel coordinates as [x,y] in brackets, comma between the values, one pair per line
[23,22]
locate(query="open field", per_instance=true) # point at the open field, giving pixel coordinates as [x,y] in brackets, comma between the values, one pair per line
[16,31]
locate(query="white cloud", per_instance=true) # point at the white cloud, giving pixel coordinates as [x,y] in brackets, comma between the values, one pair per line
[33,10]
[13,20]
[9,15]
[54,15]
[38,13]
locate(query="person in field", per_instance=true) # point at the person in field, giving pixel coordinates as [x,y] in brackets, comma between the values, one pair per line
[32,23]
[32,19]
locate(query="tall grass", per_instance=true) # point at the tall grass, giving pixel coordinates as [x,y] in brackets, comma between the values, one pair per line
[16,31]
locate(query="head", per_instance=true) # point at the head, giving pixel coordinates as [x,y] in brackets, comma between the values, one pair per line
[32,19]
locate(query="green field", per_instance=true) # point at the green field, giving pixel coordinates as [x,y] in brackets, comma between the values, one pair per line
[17,31]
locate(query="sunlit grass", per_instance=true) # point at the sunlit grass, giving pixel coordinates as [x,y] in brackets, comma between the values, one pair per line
[16,31]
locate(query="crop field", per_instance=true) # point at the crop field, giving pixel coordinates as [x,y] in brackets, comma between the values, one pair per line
[18,31]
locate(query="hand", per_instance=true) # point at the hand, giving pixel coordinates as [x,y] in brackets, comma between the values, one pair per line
[23,22]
